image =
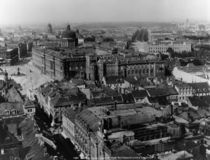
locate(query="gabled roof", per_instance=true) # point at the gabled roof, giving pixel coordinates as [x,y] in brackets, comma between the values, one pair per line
[118,99]
[201,87]
[70,113]
[6,137]
[159,100]
[123,151]
[102,101]
[11,106]
[114,80]
[133,81]
[200,101]
[29,104]
[159,92]
[89,119]
[67,99]
[139,94]
[128,98]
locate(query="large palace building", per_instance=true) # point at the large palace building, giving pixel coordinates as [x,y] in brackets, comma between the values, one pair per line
[59,65]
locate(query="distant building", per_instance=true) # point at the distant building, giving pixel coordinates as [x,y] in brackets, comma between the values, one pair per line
[160,35]
[49,28]
[69,38]
[162,47]
[22,50]
[11,56]
[58,65]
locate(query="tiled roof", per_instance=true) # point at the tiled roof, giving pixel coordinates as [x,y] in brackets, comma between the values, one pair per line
[123,151]
[201,87]
[114,80]
[62,94]
[158,92]
[6,137]
[89,119]
[159,100]
[70,113]
[128,98]
[139,94]
[11,106]
[199,101]
[102,101]
[118,99]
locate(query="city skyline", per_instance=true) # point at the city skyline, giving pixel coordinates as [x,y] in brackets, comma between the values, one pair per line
[70,11]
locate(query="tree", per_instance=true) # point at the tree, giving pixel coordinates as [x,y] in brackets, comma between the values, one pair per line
[140,35]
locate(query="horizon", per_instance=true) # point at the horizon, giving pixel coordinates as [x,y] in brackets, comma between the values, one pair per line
[32,12]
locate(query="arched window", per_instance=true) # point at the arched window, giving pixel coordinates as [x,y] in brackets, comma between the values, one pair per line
[132,72]
[136,71]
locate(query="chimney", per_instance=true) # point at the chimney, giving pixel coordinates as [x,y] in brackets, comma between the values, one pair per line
[115,105]
[172,110]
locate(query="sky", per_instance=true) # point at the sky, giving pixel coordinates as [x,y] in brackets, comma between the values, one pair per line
[73,11]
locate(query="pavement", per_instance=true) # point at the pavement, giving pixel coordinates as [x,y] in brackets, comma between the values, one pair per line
[30,79]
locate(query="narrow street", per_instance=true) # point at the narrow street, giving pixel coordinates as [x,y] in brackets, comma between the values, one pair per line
[65,149]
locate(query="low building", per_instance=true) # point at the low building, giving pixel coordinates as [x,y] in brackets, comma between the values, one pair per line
[97,128]
[10,147]
[29,108]
[11,110]
[162,47]
[116,83]
[200,89]
[140,96]
[168,92]
[184,91]
[11,56]
[53,97]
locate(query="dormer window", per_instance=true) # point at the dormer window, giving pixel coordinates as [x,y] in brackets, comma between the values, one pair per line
[7,112]
[14,112]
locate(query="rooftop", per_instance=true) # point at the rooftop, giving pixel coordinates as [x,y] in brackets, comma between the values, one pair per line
[158,92]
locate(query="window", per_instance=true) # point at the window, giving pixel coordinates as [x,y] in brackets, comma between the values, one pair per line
[132,71]
[51,65]
[43,60]
[30,110]
[136,71]
[7,112]
[14,112]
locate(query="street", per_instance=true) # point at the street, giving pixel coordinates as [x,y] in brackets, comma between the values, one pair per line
[65,149]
